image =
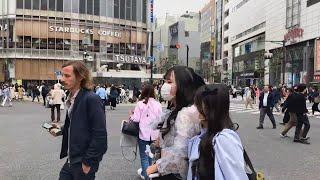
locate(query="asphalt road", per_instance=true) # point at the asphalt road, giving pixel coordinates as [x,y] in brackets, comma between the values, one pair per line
[27,151]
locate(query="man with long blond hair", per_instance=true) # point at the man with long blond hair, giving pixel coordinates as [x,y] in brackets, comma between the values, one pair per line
[84,132]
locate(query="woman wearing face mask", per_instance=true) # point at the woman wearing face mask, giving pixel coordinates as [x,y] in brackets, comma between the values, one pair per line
[217,153]
[180,123]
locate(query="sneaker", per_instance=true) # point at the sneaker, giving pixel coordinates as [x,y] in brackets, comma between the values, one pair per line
[301,141]
[305,139]
[139,173]
[260,127]
[283,136]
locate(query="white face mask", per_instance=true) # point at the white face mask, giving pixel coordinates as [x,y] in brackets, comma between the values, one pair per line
[165,92]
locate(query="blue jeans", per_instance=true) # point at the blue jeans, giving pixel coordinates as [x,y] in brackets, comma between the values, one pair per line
[145,160]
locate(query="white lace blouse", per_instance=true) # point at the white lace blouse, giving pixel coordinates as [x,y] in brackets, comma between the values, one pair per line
[174,152]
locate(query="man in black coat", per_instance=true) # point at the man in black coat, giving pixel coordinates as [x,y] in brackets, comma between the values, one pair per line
[266,103]
[84,133]
[297,104]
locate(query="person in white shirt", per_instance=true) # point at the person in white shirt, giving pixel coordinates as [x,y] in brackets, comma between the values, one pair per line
[266,104]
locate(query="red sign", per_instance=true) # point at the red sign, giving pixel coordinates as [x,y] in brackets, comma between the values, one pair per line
[317,58]
[317,77]
[293,33]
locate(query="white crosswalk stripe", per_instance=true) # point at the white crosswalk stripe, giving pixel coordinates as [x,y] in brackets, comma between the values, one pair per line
[240,108]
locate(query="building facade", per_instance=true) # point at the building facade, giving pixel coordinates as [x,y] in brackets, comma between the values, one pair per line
[161,44]
[207,39]
[38,36]
[185,33]
[297,23]
[244,41]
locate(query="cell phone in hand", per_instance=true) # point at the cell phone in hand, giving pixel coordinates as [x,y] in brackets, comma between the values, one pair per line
[47,126]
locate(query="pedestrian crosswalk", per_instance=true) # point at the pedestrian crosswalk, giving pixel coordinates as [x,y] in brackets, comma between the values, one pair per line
[236,108]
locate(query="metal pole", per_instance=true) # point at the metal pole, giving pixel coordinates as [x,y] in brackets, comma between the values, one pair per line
[284,61]
[187,55]
[151,54]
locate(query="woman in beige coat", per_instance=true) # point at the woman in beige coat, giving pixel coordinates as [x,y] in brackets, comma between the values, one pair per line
[56,95]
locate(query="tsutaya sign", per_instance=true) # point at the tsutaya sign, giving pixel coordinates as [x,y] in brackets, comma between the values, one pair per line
[130,59]
[84,31]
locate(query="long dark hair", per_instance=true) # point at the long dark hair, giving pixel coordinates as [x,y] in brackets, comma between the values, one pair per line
[187,82]
[212,101]
[147,92]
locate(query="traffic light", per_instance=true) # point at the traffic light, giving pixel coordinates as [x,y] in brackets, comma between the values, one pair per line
[176,46]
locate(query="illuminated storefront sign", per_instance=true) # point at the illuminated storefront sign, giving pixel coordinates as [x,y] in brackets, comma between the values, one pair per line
[84,31]
[129,59]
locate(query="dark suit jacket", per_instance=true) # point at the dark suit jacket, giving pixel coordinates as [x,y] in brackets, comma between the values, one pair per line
[270,101]
[88,134]
[297,103]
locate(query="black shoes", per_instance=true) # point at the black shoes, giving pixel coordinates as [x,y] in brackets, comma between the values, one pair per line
[302,141]
[260,127]
[274,127]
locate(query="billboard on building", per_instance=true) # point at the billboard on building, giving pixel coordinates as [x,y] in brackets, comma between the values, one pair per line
[317,61]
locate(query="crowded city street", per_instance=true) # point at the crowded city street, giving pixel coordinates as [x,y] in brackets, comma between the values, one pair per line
[30,152]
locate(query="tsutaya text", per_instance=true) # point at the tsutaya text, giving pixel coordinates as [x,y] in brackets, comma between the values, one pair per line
[84,31]
[130,59]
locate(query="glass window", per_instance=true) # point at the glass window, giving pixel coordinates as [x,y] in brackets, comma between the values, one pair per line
[110,8]
[122,9]
[82,6]
[36,4]
[139,10]
[134,10]
[67,5]
[60,5]
[128,10]
[27,4]
[96,7]
[44,4]
[144,12]
[52,5]
[89,6]
[116,8]
[75,6]
[20,4]
[103,8]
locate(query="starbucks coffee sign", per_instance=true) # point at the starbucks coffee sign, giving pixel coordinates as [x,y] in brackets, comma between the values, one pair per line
[130,59]
[84,31]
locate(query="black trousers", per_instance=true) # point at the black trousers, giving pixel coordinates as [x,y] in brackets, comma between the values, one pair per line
[55,106]
[75,172]
[302,119]
[44,99]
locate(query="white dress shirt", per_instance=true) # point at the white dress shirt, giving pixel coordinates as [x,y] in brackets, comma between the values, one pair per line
[265,99]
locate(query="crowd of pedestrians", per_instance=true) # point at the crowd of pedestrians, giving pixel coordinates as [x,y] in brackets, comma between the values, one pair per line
[195,138]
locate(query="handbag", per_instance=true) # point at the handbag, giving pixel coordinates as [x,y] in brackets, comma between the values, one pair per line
[130,128]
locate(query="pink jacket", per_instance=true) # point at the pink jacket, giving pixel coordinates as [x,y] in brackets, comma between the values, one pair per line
[145,114]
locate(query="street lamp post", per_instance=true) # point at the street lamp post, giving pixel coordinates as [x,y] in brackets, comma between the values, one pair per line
[187,55]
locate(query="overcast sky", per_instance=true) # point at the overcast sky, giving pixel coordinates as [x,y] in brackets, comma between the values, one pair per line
[177,7]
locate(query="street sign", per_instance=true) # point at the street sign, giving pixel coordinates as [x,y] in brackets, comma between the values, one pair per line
[151,58]
[58,74]
[160,47]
